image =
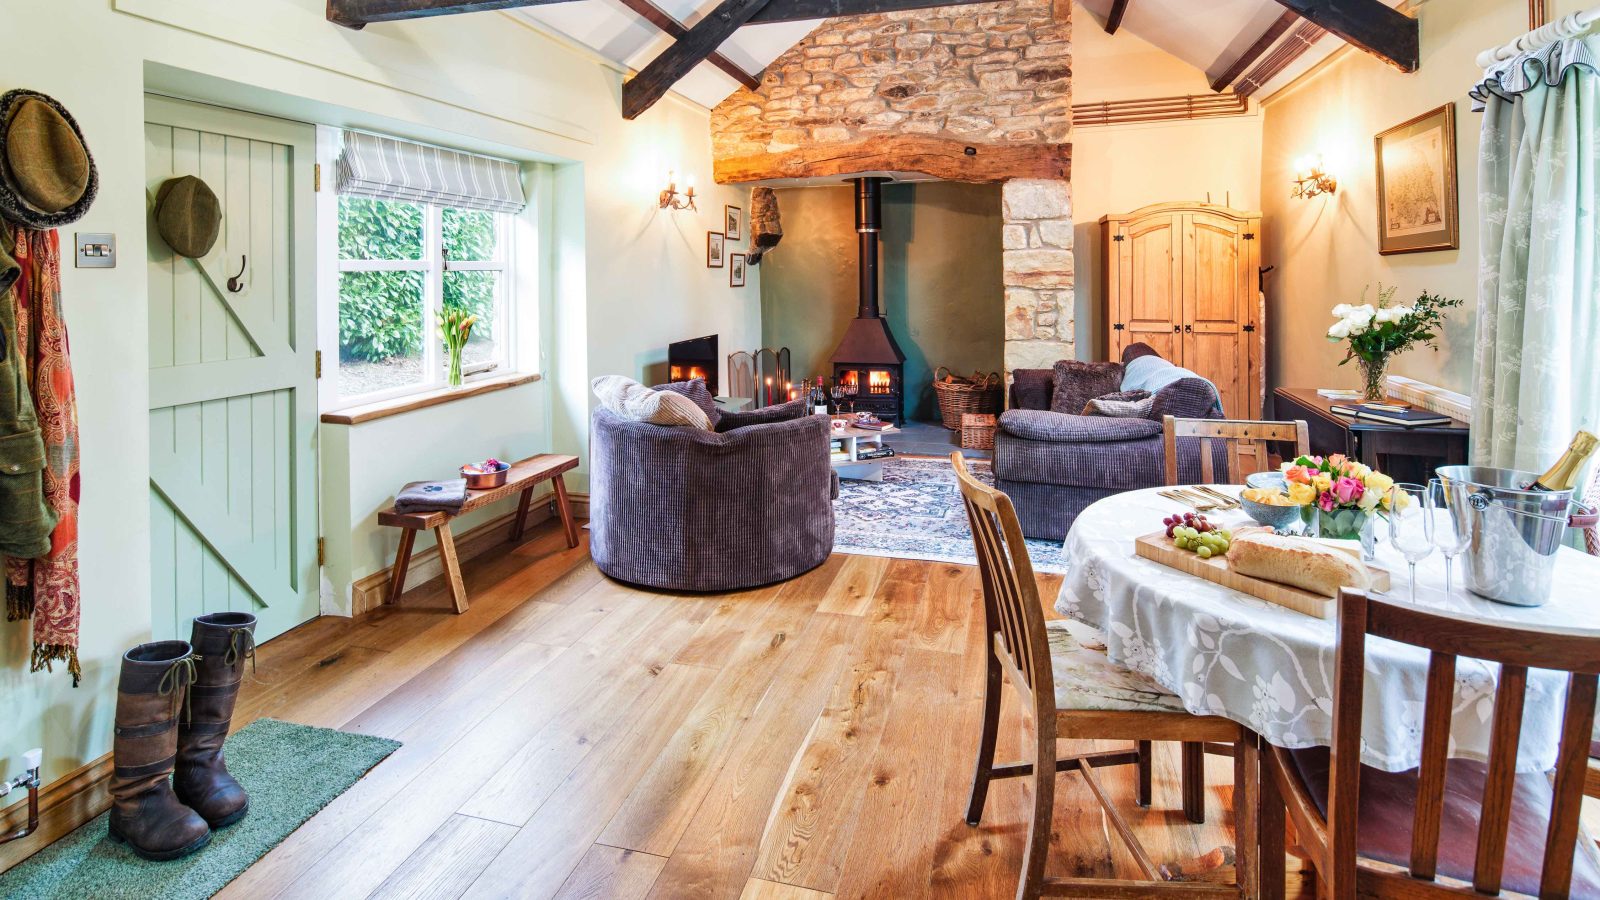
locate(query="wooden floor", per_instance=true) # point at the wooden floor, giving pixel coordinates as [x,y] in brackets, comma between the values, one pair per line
[570,737]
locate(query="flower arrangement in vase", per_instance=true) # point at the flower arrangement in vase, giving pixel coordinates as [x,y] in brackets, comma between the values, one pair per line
[1338,497]
[455,326]
[1375,333]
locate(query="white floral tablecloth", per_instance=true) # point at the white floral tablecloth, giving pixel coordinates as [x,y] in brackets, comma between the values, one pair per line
[1270,668]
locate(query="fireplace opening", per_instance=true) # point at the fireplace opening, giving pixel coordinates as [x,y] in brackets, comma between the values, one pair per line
[694,358]
[868,363]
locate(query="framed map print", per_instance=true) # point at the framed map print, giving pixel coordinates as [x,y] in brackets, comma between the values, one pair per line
[1417,184]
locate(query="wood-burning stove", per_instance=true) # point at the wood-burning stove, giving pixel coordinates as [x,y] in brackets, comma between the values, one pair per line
[868,364]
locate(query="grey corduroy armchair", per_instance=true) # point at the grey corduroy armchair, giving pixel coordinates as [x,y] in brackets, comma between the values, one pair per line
[689,510]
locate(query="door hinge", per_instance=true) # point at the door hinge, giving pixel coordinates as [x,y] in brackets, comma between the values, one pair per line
[316,177]
[319,363]
[1250,328]
[1117,238]
[322,552]
[1249,235]
[1117,327]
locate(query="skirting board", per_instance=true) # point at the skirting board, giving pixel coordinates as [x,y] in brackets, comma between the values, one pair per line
[64,804]
[368,593]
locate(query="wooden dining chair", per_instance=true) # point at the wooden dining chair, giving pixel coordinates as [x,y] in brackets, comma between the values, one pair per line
[1413,836]
[1228,435]
[1074,691]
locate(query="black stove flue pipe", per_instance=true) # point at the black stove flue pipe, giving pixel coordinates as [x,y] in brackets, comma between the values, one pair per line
[869,222]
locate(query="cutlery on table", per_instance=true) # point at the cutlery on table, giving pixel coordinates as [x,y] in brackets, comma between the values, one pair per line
[1187,501]
[1203,502]
[1227,502]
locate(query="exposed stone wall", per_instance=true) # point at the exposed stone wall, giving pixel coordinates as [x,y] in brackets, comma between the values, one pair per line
[991,73]
[1037,262]
[983,74]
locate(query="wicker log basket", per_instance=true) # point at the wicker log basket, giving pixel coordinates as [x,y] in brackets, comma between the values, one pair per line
[977,431]
[959,396]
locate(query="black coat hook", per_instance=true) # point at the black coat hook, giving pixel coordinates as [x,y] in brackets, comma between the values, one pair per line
[236,283]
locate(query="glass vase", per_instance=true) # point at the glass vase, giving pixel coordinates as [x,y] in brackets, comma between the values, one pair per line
[1345,524]
[1372,371]
[453,378]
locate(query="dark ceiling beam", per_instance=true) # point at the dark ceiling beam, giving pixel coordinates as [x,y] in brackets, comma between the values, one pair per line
[1119,8]
[795,10]
[1249,57]
[359,14]
[1368,24]
[659,17]
[641,92]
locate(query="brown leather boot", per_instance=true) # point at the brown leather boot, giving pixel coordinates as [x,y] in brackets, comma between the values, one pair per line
[145,814]
[222,642]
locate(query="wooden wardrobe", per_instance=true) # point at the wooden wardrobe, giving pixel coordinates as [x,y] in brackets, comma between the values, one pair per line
[1185,279]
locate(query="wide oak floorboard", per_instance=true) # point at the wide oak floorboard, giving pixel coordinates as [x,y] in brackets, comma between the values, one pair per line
[572,737]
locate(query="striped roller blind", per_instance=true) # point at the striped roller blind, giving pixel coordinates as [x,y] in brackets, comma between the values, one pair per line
[392,169]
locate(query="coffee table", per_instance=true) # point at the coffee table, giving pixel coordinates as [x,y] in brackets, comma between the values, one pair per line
[854,438]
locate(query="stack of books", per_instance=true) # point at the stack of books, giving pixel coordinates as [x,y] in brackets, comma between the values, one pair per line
[875,453]
[872,424]
[1403,415]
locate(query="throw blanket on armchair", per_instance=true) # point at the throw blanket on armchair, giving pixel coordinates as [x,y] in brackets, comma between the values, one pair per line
[1152,373]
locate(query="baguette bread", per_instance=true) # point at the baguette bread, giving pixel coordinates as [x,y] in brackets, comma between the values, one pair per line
[1298,562]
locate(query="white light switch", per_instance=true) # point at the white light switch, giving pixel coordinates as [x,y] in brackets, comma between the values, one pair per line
[96,251]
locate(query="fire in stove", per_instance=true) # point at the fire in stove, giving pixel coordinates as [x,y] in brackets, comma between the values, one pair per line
[687,373]
[878,382]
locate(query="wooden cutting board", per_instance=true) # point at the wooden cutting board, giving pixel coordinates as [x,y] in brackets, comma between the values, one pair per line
[1157,547]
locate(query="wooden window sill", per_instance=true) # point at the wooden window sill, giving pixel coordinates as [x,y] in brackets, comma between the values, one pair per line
[382,409]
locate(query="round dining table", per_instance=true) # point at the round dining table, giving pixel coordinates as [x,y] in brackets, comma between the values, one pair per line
[1270,668]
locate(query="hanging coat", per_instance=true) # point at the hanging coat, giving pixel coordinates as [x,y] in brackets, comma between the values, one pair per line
[25,516]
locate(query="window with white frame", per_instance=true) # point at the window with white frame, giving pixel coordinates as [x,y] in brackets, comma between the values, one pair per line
[407,253]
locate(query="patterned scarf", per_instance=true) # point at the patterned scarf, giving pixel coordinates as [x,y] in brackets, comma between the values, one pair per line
[46,589]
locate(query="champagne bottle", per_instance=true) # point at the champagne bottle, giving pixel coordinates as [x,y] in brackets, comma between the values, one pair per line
[1563,476]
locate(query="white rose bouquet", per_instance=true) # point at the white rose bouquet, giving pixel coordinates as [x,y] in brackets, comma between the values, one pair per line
[1373,333]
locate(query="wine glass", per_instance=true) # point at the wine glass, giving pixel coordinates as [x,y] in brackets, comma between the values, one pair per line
[837,393]
[1451,532]
[1410,526]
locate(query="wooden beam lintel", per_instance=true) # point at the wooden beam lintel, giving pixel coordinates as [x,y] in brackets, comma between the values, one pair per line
[941,158]
[1386,33]
[1119,8]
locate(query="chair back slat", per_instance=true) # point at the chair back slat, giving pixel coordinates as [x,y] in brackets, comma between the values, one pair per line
[1437,705]
[1572,764]
[1010,592]
[1495,819]
[1226,435]
[1448,637]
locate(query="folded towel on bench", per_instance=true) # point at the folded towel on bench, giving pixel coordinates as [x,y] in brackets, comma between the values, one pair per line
[430,496]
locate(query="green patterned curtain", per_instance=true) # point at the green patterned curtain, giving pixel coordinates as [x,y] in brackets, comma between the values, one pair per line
[1537,362]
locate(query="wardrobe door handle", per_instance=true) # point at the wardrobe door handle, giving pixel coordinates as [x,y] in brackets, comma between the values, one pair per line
[1188,328]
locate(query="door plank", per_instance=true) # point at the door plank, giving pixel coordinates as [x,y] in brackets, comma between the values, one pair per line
[230,542]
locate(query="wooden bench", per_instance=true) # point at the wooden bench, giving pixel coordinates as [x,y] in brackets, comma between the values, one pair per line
[524,477]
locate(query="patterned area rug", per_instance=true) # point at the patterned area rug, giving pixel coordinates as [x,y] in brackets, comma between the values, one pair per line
[916,513]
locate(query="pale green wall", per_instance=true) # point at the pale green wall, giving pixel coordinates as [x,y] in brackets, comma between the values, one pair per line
[941,279]
[628,278]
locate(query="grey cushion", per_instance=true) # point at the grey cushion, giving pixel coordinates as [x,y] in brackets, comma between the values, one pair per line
[1122,405]
[1042,425]
[695,389]
[1076,383]
[783,412]
[1186,398]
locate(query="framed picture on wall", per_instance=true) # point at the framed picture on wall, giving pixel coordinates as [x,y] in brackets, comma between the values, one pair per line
[736,270]
[734,227]
[1417,209]
[714,250]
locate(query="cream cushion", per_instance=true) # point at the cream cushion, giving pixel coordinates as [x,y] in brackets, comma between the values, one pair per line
[635,402]
[1087,679]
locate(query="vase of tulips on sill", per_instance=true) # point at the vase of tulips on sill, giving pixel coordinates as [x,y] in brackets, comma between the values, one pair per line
[1374,333]
[1338,497]
[455,326]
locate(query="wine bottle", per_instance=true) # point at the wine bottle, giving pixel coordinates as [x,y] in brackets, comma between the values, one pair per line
[819,398]
[1563,476]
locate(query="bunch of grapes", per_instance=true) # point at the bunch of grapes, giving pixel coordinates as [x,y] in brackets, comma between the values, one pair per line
[1192,532]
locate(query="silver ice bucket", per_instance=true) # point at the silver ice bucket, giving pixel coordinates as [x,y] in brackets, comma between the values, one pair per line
[1515,532]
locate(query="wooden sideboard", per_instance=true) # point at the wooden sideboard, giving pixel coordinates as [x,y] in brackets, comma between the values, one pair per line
[1406,454]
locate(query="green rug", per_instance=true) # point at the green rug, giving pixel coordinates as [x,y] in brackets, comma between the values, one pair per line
[290,771]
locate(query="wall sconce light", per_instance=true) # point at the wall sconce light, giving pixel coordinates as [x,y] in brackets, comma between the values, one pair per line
[1311,178]
[671,199]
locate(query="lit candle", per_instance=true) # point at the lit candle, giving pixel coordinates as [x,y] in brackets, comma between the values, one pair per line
[767,397]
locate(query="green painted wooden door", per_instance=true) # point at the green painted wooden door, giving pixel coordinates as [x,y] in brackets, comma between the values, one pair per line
[233,407]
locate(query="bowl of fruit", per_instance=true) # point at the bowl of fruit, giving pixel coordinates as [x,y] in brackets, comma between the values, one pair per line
[1269,506]
[1193,532]
[491,473]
